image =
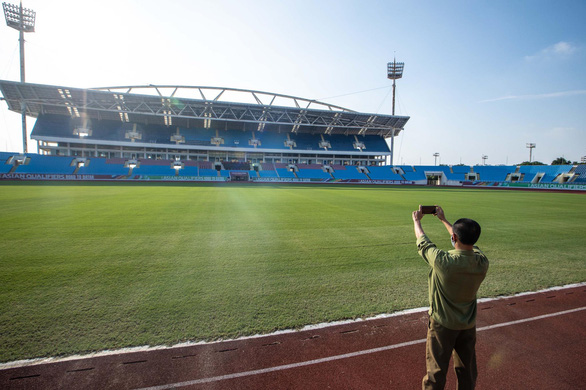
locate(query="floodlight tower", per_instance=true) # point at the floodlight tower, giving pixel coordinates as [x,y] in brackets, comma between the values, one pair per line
[23,20]
[436,155]
[484,157]
[531,146]
[394,72]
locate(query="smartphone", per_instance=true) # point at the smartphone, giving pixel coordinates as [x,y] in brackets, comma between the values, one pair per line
[428,209]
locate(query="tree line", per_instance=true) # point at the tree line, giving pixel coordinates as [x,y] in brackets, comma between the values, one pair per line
[557,161]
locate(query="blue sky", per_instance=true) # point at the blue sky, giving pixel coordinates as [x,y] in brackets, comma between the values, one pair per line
[481,77]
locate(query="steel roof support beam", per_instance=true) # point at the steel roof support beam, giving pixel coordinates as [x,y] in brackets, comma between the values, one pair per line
[43,99]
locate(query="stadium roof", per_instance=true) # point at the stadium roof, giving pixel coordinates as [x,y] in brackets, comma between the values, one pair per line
[161,105]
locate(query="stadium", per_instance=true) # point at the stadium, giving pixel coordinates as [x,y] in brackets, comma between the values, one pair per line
[144,236]
[118,134]
[203,237]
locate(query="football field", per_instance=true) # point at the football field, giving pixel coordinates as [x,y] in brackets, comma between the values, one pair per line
[88,267]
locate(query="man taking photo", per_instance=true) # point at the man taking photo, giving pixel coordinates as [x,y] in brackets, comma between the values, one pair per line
[454,279]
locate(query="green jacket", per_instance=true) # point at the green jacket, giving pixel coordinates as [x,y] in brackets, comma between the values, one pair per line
[454,279]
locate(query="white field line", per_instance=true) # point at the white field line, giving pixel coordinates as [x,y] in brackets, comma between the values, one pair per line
[343,356]
[31,362]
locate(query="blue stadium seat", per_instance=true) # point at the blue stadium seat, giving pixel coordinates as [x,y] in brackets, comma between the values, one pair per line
[267,174]
[383,173]
[42,164]
[47,165]
[488,173]
[156,170]
[110,130]
[456,176]
[5,168]
[208,172]
[5,156]
[100,166]
[414,176]
[549,169]
[313,174]
[271,140]
[432,168]
[349,173]
[189,171]
[284,173]
[406,168]
[581,174]
[461,169]
[547,178]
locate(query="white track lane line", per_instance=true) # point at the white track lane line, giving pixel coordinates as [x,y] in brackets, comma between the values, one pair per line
[33,362]
[343,356]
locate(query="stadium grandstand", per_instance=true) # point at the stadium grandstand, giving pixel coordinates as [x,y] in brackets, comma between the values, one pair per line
[220,125]
[14,166]
[222,134]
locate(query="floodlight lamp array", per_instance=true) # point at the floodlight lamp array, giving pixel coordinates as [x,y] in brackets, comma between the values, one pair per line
[82,132]
[21,19]
[395,70]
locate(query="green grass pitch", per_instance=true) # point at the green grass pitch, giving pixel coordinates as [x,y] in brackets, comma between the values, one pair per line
[91,267]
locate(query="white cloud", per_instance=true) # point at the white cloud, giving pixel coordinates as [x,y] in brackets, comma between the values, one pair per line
[538,96]
[562,48]
[559,50]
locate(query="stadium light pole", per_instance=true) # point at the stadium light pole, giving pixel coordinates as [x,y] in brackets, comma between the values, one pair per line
[436,155]
[531,146]
[484,157]
[23,20]
[394,72]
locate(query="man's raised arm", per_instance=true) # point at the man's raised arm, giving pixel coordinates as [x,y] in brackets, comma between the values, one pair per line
[439,213]
[417,215]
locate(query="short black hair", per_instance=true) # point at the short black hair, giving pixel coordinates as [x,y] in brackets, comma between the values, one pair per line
[467,230]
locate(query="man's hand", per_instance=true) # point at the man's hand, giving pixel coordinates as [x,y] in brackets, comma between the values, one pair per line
[417,215]
[439,212]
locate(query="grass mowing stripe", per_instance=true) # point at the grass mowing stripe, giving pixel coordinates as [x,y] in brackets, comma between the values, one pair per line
[89,267]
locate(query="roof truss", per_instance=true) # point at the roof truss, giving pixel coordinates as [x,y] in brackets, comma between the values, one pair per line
[160,107]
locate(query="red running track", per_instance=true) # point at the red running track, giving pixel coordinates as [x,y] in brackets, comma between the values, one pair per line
[530,341]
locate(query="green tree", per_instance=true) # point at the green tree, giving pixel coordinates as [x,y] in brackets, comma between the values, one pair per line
[560,161]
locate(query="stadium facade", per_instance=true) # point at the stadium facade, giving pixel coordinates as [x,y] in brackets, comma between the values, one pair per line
[221,124]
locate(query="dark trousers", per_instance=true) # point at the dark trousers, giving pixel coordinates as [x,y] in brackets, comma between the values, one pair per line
[442,343]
